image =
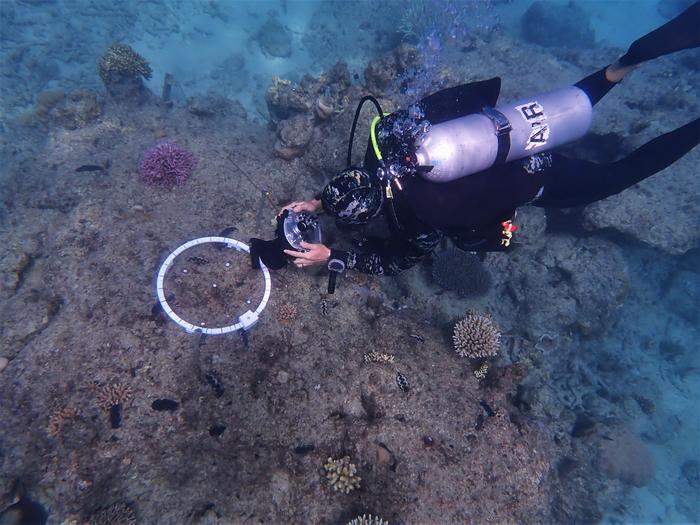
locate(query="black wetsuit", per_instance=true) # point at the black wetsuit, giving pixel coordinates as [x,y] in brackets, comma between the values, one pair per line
[471,210]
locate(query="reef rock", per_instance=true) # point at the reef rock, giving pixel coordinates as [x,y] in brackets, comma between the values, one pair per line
[293,136]
[661,211]
[590,276]
[623,456]
[275,39]
[550,24]
[382,71]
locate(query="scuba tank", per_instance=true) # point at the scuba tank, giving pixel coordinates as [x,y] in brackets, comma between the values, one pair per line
[475,142]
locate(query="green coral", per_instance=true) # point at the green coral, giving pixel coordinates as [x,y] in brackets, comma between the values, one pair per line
[122,61]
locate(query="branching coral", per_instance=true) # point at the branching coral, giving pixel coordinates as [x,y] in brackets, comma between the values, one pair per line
[342,475]
[477,336]
[113,394]
[367,520]
[121,61]
[58,417]
[378,357]
[166,165]
[462,272]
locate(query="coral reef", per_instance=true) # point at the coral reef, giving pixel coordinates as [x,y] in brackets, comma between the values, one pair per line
[166,165]
[476,336]
[298,110]
[463,272]
[293,135]
[117,514]
[367,519]
[378,357]
[623,456]
[342,475]
[381,72]
[120,61]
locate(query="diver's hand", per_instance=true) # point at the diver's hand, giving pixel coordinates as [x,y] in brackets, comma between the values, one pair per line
[311,206]
[317,254]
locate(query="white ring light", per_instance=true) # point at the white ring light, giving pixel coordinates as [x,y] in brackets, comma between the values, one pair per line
[245,321]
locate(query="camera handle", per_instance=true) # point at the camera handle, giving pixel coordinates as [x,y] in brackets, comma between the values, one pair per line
[335,266]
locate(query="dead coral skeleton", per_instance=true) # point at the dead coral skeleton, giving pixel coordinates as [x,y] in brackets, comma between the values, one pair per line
[378,357]
[116,514]
[477,336]
[58,417]
[342,475]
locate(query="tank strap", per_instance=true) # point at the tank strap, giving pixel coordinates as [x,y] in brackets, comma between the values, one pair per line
[503,129]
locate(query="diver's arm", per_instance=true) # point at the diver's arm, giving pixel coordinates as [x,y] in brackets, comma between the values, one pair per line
[393,258]
[312,206]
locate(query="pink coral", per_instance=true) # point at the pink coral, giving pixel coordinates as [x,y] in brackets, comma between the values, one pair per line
[166,164]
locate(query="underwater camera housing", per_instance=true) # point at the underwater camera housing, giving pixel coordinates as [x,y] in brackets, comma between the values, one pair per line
[292,229]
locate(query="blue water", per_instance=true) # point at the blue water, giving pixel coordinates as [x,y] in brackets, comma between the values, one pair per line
[214,47]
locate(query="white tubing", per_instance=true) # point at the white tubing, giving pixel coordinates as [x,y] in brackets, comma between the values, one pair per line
[245,321]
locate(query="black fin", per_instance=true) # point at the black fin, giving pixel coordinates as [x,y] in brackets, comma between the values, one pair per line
[461,100]
[683,32]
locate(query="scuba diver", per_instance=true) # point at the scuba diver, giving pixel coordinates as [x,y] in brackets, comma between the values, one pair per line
[457,165]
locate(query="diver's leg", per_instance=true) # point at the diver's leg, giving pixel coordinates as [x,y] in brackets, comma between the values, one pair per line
[683,32]
[573,182]
[596,85]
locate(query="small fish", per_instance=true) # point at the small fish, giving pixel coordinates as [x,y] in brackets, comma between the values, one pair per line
[402,382]
[324,307]
[226,232]
[89,167]
[417,337]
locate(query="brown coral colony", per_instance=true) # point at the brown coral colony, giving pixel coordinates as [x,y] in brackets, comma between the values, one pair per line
[122,61]
[477,336]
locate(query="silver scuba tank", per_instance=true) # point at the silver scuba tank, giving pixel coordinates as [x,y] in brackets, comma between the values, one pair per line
[475,142]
